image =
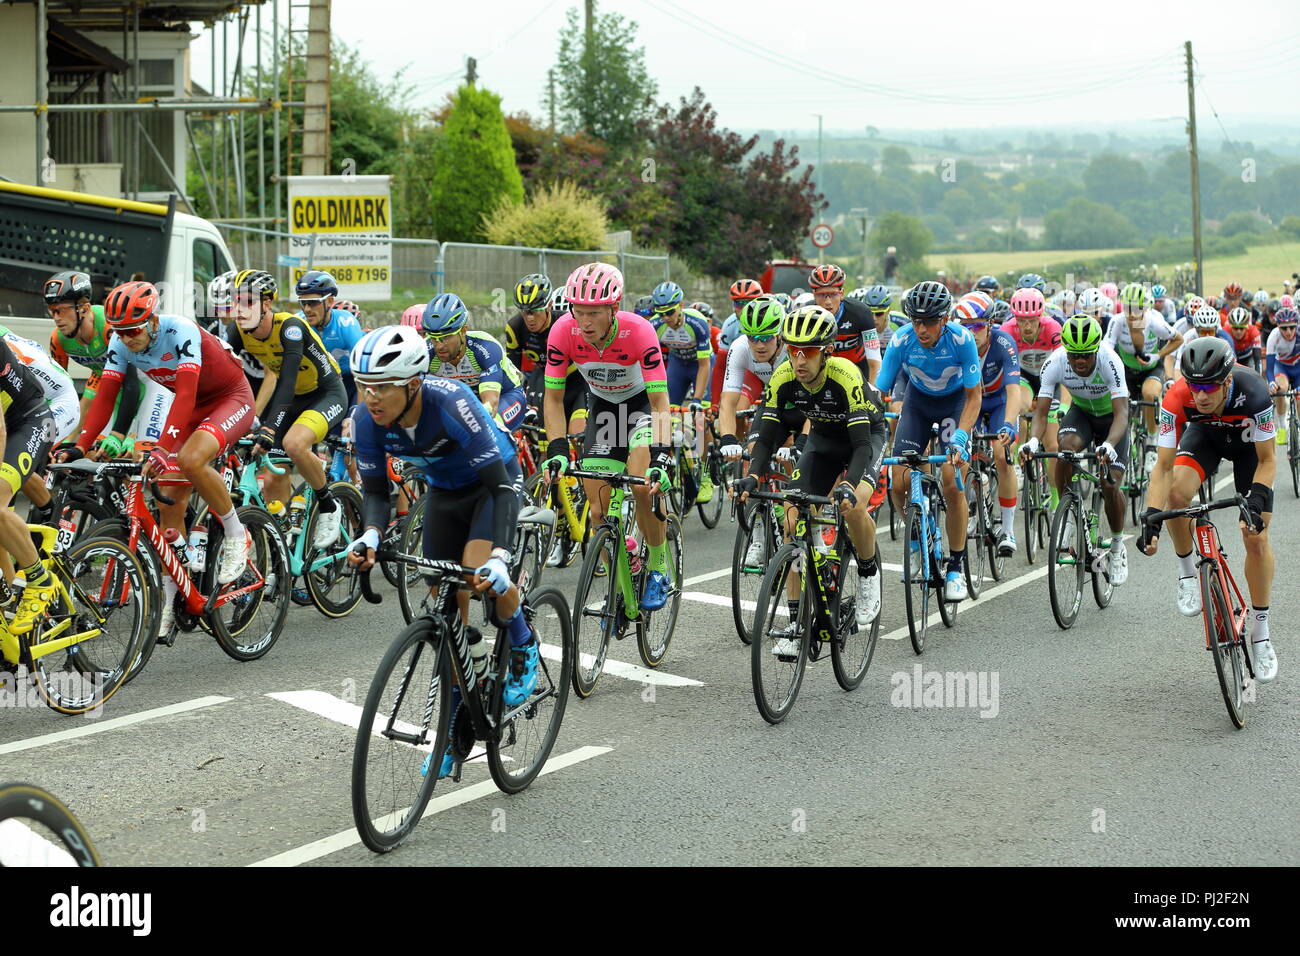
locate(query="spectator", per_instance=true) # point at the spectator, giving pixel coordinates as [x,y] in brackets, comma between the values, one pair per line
[891,264]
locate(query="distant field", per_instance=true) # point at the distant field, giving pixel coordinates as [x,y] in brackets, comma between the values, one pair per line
[1262,266]
[999,263]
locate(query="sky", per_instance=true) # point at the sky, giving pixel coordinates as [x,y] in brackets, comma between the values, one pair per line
[915,65]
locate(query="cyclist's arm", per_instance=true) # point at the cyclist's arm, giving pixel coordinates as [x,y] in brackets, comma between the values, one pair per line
[474,431]
[772,434]
[871,352]
[110,382]
[555,378]
[1266,453]
[973,380]
[264,392]
[702,379]
[1119,421]
[727,412]
[1048,381]
[889,365]
[293,341]
[127,405]
[514,348]
[57,352]
[372,466]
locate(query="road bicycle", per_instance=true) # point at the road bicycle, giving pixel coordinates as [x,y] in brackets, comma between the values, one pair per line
[923,557]
[406,723]
[825,617]
[983,525]
[567,499]
[1293,439]
[79,654]
[1137,477]
[759,522]
[692,465]
[1035,503]
[617,564]
[719,470]
[37,829]
[1223,608]
[1076,546]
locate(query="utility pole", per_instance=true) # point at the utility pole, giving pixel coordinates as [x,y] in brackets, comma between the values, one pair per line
[819,150]
[591,16]
[866,255]
[1196,172]
[471,71]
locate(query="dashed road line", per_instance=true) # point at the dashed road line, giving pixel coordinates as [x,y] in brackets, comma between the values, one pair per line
[99,726]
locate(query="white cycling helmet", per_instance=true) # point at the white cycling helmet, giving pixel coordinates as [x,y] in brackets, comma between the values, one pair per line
[1206,317]
[804,299]
[1065,300]
[1095,303]
[396,353]
[221,290]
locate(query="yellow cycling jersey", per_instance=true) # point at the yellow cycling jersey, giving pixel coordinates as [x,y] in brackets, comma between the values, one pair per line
[316,368]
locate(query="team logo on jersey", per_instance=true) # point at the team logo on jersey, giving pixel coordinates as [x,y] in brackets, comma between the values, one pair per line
[1166,421]
[185,350]
[293,333]
[167,357]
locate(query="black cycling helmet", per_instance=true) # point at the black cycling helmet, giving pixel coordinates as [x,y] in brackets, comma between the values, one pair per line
[645,307]
[66,287]
[1207,360]
[1000,312]
[987,284]
[927,300]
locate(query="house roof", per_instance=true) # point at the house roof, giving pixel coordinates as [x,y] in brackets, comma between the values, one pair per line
[164,15]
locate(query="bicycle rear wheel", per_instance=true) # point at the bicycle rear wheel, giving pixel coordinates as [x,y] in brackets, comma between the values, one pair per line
[1103,589]
[977,535]
[853,647]
[597,610]
[106,582]
[654,629]
[777,678]
[44,832]
[247,627]
[1066,561]
[153,576]
[1028,507]
[947,609]
[711,510]
[916,581]
[526,733]
[404,722]
[1225,645]
[1293,452]
[746,578]
[411,589]
[335,588]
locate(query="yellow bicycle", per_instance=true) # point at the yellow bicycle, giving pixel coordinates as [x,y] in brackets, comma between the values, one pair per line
[573,512]
[79,654]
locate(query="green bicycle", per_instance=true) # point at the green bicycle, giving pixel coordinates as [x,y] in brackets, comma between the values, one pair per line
[1077,547]
[613,548]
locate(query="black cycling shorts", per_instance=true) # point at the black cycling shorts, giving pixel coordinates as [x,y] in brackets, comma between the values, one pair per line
[1093,429]
[1201,447]
[453,518]
[613,428]
[1135,378]
[319,410]
[823,462]
[28,446]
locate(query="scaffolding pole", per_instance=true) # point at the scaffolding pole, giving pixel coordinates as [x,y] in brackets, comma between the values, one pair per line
[275,116]
[42,93]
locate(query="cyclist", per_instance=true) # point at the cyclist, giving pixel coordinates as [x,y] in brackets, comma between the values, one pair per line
[1097,304]
[1000,407]
[440,426]
[989,285]
[1245,338]
[941,362]
[339,330]
[26,433]
[628,425]
[475,358]
[302,398]
[846,441]
[684,337]
[526,330]
[221,296]
[212,407]
[1283,368]
[1205,324]
[1190,305]
[750,363]
[1061,305]
[856,338]
[1233,297]
[1089,369]
[742,291]
[1136,337]
[1161,302]
[645,306]
[1218,410]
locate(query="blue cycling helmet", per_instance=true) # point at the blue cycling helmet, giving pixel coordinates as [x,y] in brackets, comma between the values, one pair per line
[1000,312]
[446,313]
[644,307]
[1158,291]
[877,297]
[988,284]
[1032,280]
[667,294]
[315,284]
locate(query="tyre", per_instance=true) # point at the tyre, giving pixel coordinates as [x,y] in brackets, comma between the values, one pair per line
[776,679]
[247,626]
[106,583]
[153,576]
[404,722]
[1029,508]
[916,580]
[597,610]
[853,648]
[1103,589]
[527,733]
[746,579]
[977,534]
[711,510]
[1067,566]
[530,560]
[947,609]
[655,629]
[1293,454]
[411,589]
[55,836]
[335,588]
[997,564]
[1225,645]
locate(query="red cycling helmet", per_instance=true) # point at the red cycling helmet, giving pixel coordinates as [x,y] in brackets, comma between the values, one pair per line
[130,304]
[742,290]
[826,277]
[1232,290]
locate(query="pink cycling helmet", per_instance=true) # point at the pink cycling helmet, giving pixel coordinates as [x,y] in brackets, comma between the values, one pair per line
[1288,302]
[1027,304]
[596,283]
[413,315]
[1110,290]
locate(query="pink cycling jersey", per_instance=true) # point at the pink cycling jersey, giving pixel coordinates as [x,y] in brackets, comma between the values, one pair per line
[1034,354]
[630,363]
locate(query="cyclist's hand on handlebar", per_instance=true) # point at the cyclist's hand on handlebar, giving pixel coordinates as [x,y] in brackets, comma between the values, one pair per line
[1106,452]
[156,465]
[1007,433]
[1029,449]
[844,494]
[745,485]
[264,440]
[495,575]
[732,452]
[1149,536]
[785,453]
[556,465]
[68,451]
[959,446]
[361,552]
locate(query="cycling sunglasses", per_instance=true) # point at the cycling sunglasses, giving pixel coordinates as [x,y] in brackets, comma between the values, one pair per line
[1205,386]
[927,322]
[974,326]
[439,336]
[807,351]
[761,339]
[130,331]
[875,311]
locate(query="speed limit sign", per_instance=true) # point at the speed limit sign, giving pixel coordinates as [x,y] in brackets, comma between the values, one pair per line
[822,235]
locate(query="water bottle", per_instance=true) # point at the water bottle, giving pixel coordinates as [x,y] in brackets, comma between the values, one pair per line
[276,510]
[633,554]
[198,547]
[297,510]
[478,652]
[171,536]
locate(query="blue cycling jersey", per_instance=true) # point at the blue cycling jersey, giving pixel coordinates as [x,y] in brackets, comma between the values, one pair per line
[453,441]
[729,333]
[1001,368]
[690,341]
[340,333]
[951,364]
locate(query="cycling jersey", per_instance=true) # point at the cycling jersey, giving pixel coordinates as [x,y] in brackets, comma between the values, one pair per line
[1094,393]
[526,348]
[1156,332]
[1034,354]
[60,393]
[92,354]
[628,363]
[840,407]
[1247,415]
[1000,366]
[1283,355]
[482,366]
[339,334]
[893,322]
[741,364]
[951,364]
[1249,341]
[730,332]
[21,395]
[295,343]
[856,338]
[689,342]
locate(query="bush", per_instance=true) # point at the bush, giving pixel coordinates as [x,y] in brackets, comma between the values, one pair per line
[560,216]
[1290,227]
[1243,222]
[474,166]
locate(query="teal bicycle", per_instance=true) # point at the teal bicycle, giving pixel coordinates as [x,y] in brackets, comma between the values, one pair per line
[332,585]
[614,548]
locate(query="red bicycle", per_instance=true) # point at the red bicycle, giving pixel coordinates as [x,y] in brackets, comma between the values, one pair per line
[1222,606]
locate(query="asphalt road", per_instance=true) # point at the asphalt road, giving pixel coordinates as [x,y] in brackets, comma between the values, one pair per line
[1107,744]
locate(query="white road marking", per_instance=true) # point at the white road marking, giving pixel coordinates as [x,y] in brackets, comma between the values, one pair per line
[20,845]
[711,576]
[347,838]
[89,727]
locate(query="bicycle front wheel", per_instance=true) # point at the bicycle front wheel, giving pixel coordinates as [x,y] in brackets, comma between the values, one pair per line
[711,510]
[1067,561]
[109,600]
[747,576]
[526,733]
[411,589]
[597,610]
[654,629]
[853,647]
[1225,644]
[335,588]
[46,833]
[1293,454]
[779,652]
[977,534]
[916,580]
[401,737]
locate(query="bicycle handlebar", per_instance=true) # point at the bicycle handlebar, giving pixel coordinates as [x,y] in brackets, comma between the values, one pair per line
[617,480]
[792,496]
[1236,501]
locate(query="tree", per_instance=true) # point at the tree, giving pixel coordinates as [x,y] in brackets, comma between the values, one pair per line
[1239,223]
[1112,179]
[896,161]
[474,166]
[555,217]
[1084,224]
[602,89]
[907,234]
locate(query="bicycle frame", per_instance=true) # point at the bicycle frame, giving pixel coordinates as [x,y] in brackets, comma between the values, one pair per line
[1207,544]
[613,519]
[824,623]
[250,493]
[19,648]
[918,495]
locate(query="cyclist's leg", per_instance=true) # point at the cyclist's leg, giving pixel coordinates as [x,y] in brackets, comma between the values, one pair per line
[1008,492]
[1259,551]
[1151,390]
[449,516]
[214,427]
[912,434]
[1112,478]
[857,518]
[680,379]
[575,403]
[1199,454]
[27,446]
[604,449]
[307,421]
[1075,433]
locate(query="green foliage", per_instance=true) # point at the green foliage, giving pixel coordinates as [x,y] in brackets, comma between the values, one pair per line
[907,233]
[602,89]
[1290,227]
[556,217]
[474,167]
[1243,222]
[1112,179]
[1084,224]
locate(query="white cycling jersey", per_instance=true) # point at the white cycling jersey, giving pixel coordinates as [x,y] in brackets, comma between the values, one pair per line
[1156,332]
[60,393]
[740,359]
[1288,353]
[1095,393]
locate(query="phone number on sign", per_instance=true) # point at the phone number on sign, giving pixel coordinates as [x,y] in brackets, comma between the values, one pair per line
[352,273]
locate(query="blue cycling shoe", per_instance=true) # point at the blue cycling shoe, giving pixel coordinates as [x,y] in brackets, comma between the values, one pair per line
[448,761]
[655,594]
[523,674]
